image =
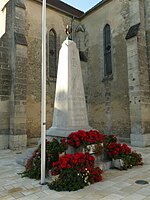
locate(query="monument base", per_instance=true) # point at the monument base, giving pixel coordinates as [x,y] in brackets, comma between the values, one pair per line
[64,132]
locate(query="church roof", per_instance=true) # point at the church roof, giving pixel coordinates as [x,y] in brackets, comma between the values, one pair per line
[97,6]
[68,9]
[63,7]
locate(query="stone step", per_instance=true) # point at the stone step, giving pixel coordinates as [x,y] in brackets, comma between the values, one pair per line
[22,157]
[104,165]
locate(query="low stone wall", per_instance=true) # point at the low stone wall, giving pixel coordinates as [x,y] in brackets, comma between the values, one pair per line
[3,141]
[17,142]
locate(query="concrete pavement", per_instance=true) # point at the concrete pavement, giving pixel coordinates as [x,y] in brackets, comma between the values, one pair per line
[116,184]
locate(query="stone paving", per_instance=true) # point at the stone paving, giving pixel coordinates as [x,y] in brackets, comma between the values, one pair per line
[116,184]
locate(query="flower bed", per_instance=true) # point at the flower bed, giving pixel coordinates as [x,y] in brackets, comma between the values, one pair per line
[78,170]
[128,157]
[83,138]
[53,149]
[75,171]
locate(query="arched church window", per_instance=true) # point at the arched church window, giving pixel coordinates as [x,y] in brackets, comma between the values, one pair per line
[107,50]
[52,54]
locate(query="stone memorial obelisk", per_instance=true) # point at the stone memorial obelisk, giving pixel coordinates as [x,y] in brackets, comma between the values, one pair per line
[70,113]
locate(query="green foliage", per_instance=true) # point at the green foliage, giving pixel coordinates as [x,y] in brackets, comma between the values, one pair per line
[68,180]
[109,139]
[32,168]
[132,159]
[123,151]
[75,171]
[53,149]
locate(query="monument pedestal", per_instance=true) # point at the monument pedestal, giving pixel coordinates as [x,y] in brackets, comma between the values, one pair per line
[70,112]
[54,131]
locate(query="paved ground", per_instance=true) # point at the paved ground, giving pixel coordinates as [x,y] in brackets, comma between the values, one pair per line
[116,184]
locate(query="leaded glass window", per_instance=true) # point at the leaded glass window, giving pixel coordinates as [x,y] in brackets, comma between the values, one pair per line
[107,50]
[52,54]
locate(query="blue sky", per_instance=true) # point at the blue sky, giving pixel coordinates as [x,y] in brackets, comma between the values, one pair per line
[83,5]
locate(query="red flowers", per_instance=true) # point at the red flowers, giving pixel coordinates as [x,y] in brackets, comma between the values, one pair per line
[82,163]
[117,150]
[95,175]
[78,161]
[83,138]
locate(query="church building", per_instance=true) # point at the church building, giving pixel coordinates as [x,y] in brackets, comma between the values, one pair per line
[113,39]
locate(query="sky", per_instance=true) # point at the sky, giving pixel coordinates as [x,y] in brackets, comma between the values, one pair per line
[82,5]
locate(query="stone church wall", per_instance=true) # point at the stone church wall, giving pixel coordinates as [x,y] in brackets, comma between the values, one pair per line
[13,78]
[139,85]
[5,77]
[108,98]
[18,137]
[147,27]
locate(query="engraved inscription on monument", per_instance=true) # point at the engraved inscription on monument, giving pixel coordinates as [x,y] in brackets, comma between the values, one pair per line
[77,111]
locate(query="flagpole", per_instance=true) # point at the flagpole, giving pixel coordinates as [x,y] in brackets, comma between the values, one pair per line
[43,93]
